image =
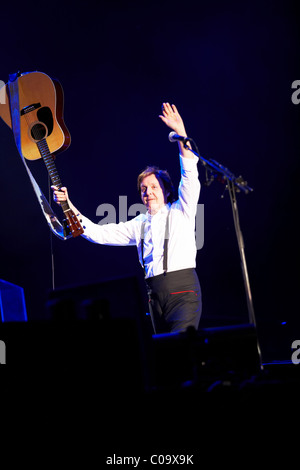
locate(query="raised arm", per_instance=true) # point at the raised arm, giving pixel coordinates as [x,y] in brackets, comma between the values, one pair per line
[189,187]
[171,117]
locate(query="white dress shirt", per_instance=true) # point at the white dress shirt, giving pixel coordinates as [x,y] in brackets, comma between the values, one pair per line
[182,245]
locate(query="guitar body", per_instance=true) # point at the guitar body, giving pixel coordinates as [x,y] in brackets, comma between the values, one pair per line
[41,114]
[43,133]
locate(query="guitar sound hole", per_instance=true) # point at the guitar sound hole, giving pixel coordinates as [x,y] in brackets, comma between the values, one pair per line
[38,131]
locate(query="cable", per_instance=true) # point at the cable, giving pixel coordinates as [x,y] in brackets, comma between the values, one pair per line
[51,239]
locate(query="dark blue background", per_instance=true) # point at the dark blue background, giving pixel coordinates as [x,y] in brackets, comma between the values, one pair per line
[228,66]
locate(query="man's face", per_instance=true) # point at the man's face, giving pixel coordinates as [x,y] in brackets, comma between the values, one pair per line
[152,194]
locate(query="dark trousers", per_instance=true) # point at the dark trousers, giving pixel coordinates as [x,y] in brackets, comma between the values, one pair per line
[175,300]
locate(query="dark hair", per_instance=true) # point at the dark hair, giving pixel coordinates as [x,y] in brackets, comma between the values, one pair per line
[163,178]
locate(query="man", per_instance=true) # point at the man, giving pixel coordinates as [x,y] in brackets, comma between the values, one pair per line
[164,236]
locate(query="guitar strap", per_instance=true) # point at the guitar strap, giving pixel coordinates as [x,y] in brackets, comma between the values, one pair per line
[52,220]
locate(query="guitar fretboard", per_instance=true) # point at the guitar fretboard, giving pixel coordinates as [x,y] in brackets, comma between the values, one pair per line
[50,165]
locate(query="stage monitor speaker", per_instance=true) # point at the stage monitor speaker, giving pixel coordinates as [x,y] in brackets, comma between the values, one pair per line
[226,354]
[109,299]
[106,305]
[12,302]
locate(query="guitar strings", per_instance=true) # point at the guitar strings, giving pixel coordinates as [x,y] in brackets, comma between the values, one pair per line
[37,135]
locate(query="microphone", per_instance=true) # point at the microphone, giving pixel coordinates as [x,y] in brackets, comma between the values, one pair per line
[173,137]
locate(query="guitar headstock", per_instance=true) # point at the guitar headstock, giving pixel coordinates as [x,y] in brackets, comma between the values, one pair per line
[73,224]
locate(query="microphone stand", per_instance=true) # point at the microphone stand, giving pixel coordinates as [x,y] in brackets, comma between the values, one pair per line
[233,184]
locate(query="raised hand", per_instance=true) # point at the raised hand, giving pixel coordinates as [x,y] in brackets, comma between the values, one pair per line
[171,117]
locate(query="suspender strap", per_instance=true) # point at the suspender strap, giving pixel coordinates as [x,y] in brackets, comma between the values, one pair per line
[166,243]
[167,233]
[142,244]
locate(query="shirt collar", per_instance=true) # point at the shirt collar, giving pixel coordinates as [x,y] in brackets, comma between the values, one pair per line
[163,210]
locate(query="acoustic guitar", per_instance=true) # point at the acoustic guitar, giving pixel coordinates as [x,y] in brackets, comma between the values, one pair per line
[43,132]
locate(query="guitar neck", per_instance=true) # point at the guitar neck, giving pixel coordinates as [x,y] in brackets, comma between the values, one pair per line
[50,165]
[73,223]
